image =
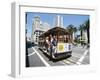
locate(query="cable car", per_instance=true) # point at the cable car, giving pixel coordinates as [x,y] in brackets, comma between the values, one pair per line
[63,47]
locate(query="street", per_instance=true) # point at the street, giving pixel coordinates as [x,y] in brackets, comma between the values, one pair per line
[37,58]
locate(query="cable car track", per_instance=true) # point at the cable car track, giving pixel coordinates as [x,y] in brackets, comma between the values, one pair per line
[71,61]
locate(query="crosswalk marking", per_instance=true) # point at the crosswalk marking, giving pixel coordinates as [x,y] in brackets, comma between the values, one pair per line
[77,61]
[72,61]
[68,62]
[81,59]
[31,54]
[41,58]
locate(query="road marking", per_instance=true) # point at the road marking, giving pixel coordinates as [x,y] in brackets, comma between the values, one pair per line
[81,59]
[72,61]
[31,54]
[41,58]
[66,62]
[69,62]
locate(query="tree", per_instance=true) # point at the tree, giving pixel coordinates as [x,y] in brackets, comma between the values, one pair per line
[72,30]
[81,28]
[87,28]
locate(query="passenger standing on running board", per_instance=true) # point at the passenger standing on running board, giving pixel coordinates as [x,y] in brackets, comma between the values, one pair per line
[47,44]
[51,45]
[54,44]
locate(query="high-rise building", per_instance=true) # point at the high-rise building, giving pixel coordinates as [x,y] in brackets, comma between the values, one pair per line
[59,21]
[84,36]
[38,28]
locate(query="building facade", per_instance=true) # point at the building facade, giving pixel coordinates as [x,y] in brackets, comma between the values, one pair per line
[84,37]
[38,28]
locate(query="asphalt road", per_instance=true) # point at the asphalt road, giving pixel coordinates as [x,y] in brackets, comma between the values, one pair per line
[37,58]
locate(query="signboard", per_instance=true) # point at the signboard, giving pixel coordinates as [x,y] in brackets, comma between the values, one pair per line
[62,47]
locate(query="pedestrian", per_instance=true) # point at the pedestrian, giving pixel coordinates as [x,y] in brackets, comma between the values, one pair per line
[47,44]
[54,43]
[51,45]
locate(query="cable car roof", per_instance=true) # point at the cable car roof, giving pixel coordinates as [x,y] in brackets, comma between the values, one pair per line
[55,31]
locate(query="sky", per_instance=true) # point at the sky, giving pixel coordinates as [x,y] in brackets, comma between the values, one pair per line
[74,19]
